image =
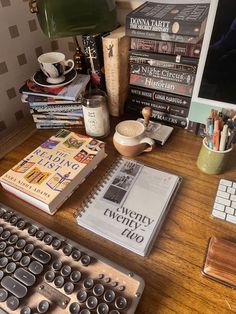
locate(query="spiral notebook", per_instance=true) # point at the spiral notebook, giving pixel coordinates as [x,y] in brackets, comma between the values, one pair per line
[130,204]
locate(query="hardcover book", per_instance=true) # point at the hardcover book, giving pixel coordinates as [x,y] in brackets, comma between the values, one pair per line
[167,47]
[115,50]
[129,206]
[69,92]
[48,176]
[172,18]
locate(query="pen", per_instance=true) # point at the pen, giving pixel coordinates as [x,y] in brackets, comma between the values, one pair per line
[209,132]
[216,135]
[223,137]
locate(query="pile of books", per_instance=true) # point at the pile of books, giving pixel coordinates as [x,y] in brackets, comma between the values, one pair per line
[166,42]
[55,107]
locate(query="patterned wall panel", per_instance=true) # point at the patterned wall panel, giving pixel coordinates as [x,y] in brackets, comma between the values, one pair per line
[22,41]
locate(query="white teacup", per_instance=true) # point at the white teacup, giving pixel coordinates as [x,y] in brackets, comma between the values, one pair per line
[130,139]
[53,65]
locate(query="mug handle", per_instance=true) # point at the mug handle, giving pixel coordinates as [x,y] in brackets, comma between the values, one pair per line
[150,142]
[71,67]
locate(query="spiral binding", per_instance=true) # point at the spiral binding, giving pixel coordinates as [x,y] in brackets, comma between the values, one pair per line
[97,189]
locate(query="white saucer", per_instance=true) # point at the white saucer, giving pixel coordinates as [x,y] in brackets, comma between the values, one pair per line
[40,79]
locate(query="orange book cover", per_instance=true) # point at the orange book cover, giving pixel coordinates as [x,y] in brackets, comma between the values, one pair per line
[48,175]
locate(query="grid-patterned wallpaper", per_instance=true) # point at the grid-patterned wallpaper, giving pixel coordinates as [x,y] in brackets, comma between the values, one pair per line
[21,42]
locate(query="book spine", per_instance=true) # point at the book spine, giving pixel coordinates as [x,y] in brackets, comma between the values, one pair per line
[160,96]
[159,116]
[56,126]
[163,26]
[93,53]
[116,65]
[167,47]
[162,36]
[139,103]
[165,64]
[58,121]
[162,85]
[165,74]
[150,58]
[55,108]
[55,117]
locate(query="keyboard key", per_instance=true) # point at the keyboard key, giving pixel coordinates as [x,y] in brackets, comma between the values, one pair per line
[109,296]
[75,276]
[231,218]
[218,214]
[74,308]
[229,210]
[3,295]
[69,287]
[222,201]
[103,308]
[226,182]
[12,303]
[223,194]
[121,303]
[50,276]
[35,267]
[41,256]
[26,310]
[14,286]
[91,302]
[43,306]
[81,296]
[25,277]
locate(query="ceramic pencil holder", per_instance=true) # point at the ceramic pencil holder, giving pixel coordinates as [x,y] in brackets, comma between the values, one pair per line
[211,161]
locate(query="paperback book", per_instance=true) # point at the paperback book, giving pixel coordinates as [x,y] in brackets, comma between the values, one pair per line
[173,18]
[69,92]
[48,176]
[163,97]
[130,204]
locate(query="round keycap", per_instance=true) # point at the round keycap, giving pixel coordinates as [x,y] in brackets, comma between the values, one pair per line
[114,312]
[26,310]
[13,239]
[1,274]
[3,295]
[102,308]
[6,216]
[85,311]
[109,296]
[3,261]
[76,254]
[69,287]
[5,235]
[88,283]
[98,289]
[39,234]
[11,267]
[21,224]
[74,308]
[121,303]
[32,230]
[81,296]
[2,246]
[50,276]
[13,220]
[56,244]
[25,261]
[43,306]
[85,260]
[92,302]
[67,249]
[9,251]
[16,256]
[48,239]
[75,276]
[29,248]
[35,267]
[59,281]
[66,271]
[57,265]
[20,244]
[12,303]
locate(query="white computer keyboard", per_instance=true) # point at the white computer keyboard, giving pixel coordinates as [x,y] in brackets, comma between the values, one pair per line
[224,206]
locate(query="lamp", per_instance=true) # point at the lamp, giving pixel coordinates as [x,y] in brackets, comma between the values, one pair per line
[63,18]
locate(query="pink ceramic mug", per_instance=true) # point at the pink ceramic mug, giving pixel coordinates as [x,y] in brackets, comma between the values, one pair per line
[130,139]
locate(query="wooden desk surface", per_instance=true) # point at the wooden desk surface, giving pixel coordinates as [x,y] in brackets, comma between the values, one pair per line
[172,271]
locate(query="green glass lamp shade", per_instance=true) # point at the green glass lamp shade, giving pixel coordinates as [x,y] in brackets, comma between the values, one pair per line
[62,18]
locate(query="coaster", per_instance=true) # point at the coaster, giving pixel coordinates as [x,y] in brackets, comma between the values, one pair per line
[40,79]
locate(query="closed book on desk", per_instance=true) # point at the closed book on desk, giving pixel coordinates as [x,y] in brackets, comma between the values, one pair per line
[129,206]
[49,175]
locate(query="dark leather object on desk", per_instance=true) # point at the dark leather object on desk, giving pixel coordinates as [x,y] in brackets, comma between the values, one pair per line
[220,262]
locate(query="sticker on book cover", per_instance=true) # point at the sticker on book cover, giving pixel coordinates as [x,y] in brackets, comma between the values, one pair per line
[23,166]
[122,182]
[73,142]
[84,157]
[49,144]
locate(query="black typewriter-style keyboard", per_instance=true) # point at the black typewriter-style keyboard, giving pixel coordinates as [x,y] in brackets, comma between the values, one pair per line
[43,272]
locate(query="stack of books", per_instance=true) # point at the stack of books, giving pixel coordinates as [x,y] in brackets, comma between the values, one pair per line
[55,106]
[166,42]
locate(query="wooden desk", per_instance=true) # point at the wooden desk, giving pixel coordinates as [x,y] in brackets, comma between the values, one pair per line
[172,271]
